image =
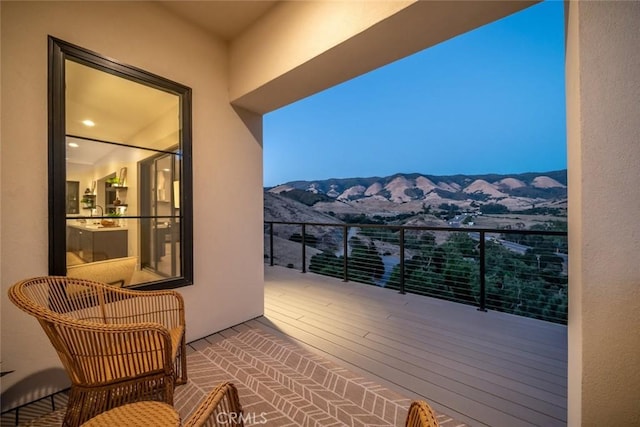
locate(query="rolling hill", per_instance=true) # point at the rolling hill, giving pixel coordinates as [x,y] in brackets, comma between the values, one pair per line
[414,192]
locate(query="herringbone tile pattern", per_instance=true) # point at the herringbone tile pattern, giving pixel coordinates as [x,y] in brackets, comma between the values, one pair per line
[285,385]
[282,384]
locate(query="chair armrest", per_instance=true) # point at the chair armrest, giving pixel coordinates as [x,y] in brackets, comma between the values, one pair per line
[421,415]
[221,407]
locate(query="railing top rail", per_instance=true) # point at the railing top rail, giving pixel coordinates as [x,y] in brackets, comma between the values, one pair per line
[425,228]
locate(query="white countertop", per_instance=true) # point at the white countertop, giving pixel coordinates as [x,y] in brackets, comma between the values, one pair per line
[95,227]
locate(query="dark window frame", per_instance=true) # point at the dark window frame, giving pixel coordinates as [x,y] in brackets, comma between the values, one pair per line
[58,52]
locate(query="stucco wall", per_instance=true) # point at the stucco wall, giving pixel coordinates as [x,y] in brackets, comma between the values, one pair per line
[603,93]
[227,167]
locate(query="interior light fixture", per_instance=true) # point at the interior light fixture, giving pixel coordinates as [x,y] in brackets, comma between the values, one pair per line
[88,123]
[73,145]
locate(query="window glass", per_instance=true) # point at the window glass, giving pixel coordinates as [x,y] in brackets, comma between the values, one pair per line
[124,137]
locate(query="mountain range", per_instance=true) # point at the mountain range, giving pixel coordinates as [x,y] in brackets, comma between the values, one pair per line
[413,192]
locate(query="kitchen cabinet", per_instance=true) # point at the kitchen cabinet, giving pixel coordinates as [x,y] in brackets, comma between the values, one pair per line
[93,243]
[72,192]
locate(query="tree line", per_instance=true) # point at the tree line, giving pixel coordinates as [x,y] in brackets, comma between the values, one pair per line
[533,284]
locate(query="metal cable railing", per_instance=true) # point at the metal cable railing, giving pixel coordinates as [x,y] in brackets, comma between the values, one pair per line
[523,272]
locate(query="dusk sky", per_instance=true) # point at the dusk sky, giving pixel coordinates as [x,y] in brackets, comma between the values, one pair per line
[488,101]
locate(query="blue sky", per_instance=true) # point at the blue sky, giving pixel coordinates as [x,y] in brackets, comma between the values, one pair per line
[488,101]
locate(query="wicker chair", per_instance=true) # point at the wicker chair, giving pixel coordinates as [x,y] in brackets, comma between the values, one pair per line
[420,415]
[220,408]
[117,346]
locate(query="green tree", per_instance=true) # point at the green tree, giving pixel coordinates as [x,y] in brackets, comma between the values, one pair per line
[493,208]
[309,239]
[365,264]
[327,264]
[531,285]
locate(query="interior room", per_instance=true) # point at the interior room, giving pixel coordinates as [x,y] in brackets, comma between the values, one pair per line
[115,126]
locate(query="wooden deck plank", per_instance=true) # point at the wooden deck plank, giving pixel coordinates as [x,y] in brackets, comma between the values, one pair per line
[327,350]
[397,363]
[556,364]
[446,359]
[444,334]
[432,366]
[539,334]
[418,386]
[455,349]
[400,382]
[485,380]
[498,326]
[495,327]
[484,368]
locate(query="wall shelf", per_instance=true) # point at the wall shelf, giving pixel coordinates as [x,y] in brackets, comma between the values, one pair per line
[88,201]
[115,193]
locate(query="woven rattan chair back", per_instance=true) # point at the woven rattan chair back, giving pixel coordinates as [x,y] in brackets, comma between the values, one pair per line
[421,415]
[117,346]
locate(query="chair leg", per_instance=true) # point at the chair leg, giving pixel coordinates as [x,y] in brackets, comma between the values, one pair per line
[181,368]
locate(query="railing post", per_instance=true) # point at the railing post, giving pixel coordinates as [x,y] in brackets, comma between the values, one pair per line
[402,291]
[345,255]
[271,244]
[483,291]
[304,248]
